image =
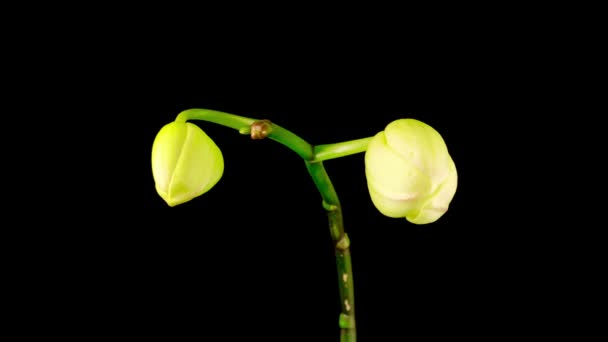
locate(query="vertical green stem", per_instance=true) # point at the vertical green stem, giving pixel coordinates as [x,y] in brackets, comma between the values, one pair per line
[341,242]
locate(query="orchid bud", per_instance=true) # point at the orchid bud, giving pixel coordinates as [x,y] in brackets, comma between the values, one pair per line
[410,172]
[186,163]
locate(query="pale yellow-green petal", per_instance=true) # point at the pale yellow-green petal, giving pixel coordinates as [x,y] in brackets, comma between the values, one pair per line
[421,145]
[165,154]
[185,162]
[393,207]
[410,172]
[391,175]
[438,203]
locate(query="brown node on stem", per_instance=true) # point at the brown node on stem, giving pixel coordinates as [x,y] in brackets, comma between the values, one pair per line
[260,129]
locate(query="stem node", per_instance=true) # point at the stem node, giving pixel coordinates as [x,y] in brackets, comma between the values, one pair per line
[343,243]
[260,129]
[329,207]
[346,321]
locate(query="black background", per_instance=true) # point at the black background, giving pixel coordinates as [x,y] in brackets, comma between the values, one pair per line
[252,258]
[98,254]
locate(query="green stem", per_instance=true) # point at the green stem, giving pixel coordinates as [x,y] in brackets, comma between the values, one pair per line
[337,150]
[243,125]
[331,204]
[292,141]
[221,118]
[313,157]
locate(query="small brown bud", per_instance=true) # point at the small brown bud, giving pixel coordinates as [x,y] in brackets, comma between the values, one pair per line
[261,129]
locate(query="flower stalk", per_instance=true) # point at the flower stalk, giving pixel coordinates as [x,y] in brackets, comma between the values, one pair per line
[313,157]
[331,203]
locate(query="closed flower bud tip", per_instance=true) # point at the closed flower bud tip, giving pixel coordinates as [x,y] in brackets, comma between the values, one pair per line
[186,163]
[410,172]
